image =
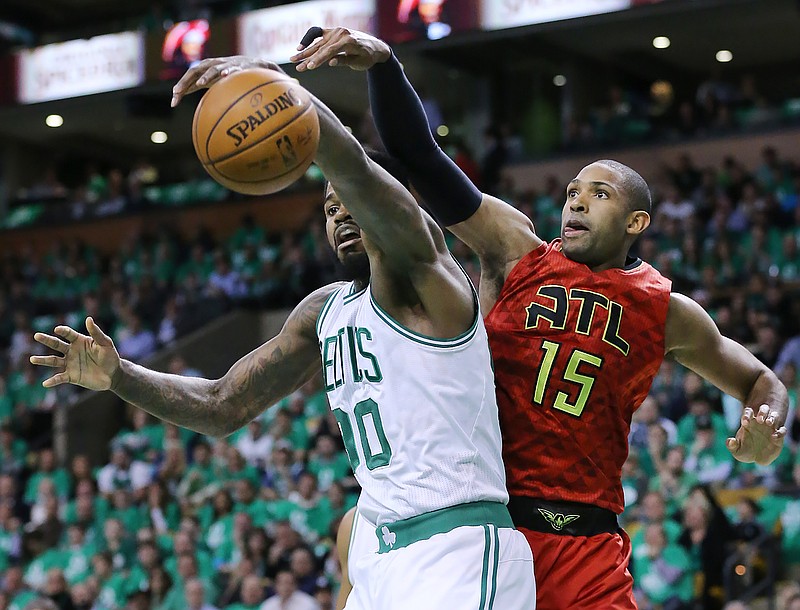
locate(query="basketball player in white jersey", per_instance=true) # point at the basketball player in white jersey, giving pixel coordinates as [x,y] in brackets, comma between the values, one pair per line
[406,365]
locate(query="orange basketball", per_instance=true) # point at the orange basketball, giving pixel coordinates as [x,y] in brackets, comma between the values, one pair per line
[256,131]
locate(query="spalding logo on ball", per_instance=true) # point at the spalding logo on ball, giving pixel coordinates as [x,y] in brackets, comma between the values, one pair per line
[256,131]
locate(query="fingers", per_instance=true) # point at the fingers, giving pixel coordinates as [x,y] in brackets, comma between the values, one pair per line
[98,335]
[51,342]
[324,54]
[764,415]
[780,433]
[53,361]
[310,36]
[70,334]
[55,380]
[189,82]
[733,445]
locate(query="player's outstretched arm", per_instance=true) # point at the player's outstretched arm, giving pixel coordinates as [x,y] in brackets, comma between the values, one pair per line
[215,407]
[406,247]
[496,231]
[693,339]
[406,240]
[343,535]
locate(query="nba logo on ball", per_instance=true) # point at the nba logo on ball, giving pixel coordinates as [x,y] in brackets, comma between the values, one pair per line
[256,131]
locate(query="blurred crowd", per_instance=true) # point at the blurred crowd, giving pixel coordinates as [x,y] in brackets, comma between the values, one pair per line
[632,114]
[177,520]
[154,289]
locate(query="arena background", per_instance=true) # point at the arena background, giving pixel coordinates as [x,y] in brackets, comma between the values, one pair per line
[105,211]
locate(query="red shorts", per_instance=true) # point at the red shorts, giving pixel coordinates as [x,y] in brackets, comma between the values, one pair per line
[582,573]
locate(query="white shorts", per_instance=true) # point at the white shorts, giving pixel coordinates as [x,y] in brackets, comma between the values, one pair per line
[470,567]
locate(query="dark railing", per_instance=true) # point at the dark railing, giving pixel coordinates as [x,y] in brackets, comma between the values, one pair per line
[752,570]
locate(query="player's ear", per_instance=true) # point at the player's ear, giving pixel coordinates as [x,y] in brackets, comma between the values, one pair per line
[638,221]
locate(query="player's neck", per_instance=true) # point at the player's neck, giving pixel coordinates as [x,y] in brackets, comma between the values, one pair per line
[360,283]
[618,262]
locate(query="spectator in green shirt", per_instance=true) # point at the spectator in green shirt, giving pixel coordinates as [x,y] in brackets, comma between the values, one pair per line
[117,544]
[13,585]
[111,584]
[708,459]
[699,406]
[144,440]
[46,469]
[147,558]
[247,501]
[305,498]
[239,469]
[663,571]
[653,510]
[78,554]
[217,520]
[328,464]
[198,483]
[673,481]
[88,509]
[160,584]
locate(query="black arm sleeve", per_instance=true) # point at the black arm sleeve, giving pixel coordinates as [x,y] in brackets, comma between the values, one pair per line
[403,127]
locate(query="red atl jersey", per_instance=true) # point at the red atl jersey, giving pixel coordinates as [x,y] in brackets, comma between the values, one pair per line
[575,353]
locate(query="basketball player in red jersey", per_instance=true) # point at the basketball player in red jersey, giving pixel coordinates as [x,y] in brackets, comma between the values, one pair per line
[578,330]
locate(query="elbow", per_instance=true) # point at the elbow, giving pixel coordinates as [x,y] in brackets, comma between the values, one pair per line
[225,418]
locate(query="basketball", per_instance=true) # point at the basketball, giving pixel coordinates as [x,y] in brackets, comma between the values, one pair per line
[256,131]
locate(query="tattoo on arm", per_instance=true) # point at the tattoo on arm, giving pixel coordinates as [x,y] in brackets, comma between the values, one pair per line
[258,380]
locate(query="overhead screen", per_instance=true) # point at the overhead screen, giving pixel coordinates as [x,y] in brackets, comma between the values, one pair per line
[405,20]
[80,67]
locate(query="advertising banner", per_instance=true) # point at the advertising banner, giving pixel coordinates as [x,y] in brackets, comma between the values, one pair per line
[80,67]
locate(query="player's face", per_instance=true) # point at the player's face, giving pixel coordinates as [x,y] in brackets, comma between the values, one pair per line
[595,217]
[344,235]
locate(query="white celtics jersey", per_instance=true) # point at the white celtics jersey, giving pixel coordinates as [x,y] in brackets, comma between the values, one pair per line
[418,415]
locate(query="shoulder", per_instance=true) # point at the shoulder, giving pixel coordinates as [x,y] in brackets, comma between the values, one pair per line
[303,318]
[683,308]
[689,327]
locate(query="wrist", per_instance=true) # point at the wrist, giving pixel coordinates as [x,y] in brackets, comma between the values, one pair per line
[117,376]
[384,54]
[387,61]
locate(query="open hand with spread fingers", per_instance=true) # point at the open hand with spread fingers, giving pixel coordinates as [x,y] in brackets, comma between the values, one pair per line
[88,361]
[759,439]
[209,71]
[339,47]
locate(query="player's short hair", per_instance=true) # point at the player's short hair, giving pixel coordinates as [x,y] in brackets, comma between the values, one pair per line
[390,164]
[637,193]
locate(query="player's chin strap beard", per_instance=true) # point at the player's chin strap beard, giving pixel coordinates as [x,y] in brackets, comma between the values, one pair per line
[356,268]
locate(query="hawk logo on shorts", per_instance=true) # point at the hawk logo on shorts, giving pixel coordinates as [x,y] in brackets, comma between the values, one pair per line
[389,538]
[557,520]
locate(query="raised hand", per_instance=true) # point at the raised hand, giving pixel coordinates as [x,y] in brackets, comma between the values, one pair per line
[88,361]
[340,47]
[758,439]
[209,71]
